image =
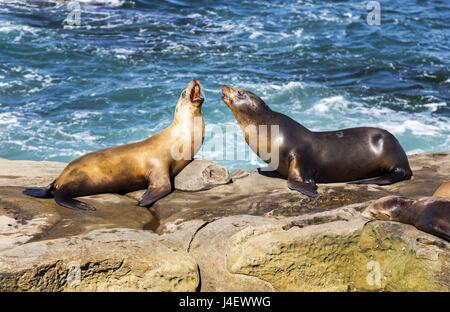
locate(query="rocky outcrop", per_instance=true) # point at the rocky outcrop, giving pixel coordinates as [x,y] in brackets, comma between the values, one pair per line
[341,252]
[251,233]
[201,175]
[103,260]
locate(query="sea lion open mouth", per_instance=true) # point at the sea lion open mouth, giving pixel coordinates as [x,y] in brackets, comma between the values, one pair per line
[196,96]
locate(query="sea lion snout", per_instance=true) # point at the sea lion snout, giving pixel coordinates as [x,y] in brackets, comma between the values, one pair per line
[388,208]
[377,211]
[228,94]
[233,96]
[243,102]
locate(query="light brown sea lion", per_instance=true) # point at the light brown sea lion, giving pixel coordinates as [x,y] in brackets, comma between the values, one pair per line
[428,214]
[357,155]
[443,190]
[150,164]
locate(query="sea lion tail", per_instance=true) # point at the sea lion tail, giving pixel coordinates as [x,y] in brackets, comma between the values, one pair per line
[40,192]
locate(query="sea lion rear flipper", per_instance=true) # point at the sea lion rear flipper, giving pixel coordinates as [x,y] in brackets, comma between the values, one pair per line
[72,203]
[40,192]
[397,175]
[157,189]
[300,182]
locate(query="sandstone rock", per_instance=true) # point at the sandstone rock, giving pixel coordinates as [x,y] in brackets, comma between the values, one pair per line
[103,260]
[397,257]
[28,173]
[238,174]
[208,248]
[345,254]
[44,219]
[22,220]
[251,234]
[14,232]
[201,175]
[316,257]
[266,193]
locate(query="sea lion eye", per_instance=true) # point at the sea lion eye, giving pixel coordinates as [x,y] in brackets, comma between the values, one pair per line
[240,93]
[183,94]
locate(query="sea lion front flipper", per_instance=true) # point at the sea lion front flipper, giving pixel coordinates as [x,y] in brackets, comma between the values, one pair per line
[300,182]
[72,203]
[157,189]
[309,189]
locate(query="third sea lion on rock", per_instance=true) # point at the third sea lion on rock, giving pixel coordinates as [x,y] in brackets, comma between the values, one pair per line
[358,155]
[149,164]
[428,214]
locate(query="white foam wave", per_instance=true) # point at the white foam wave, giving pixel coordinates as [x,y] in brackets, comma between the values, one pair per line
[80,115]
[344,112]
[9,118]
[104,2]
[8,27]
[122,53]
[29,80]
[175,47]
[268,89]
[112,3]
[417,128]
[435,106]
[332,103]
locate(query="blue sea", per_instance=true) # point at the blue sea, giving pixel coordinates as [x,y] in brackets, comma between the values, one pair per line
[115,78]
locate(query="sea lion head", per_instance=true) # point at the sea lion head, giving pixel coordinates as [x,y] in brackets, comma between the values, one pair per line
[193,96]
[389,208]
[242,102]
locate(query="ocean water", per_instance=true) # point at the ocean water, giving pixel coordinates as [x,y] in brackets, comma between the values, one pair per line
[116,77]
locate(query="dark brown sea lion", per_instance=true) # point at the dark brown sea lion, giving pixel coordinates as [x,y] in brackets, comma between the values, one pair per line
[148,164]
[428,214]
[358,155]
[443,190]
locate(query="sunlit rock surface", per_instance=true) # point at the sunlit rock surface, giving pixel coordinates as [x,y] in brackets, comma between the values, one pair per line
[250,232]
